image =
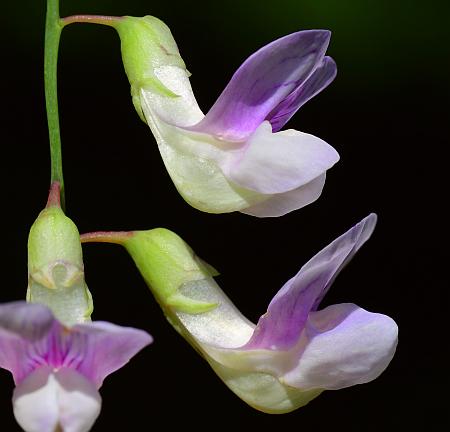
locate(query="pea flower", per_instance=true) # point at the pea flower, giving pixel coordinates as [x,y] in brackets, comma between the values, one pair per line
[58,370]
[234,158]
[296,350]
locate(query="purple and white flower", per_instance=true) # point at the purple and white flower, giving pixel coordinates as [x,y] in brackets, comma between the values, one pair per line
[296,350]
[234,158]
[58,370]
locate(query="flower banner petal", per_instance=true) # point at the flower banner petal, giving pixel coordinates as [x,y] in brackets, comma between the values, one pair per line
[264,80]
[106,348]
[22,325]
[280,327]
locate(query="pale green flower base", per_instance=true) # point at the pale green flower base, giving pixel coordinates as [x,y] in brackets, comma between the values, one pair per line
[55,268]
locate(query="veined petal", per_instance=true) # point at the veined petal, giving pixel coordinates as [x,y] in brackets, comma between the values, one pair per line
[345,345]
[319,80]
[49,398]
[30,337]
[275,163]
[107,348]
[264,80]
[280,204]
[281,326]
[22,325]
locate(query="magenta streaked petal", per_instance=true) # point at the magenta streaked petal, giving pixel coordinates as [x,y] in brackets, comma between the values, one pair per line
[24,329]
[279,162]
[264,80]
[283,203]
[108,347]
[319,80]
[30,337]
[281,326]
[345,345]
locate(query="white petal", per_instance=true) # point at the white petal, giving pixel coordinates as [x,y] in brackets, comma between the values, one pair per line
[343,345]
[47,399]
[279,162]
[283,203]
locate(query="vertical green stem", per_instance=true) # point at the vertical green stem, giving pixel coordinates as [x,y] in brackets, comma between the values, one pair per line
[53,29]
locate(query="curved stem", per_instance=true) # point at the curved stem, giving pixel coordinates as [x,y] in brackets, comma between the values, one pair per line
[93,19]
[117,237]
[52,35]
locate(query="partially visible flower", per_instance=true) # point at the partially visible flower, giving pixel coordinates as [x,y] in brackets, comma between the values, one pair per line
[58,370]
[234,158]
[296,351]
[55,264]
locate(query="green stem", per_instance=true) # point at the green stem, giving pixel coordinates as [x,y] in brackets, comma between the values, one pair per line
[53,29]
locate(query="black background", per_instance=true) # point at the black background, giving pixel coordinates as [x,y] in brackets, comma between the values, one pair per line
[386,114]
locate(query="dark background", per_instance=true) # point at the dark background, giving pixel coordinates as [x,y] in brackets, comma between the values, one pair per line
[386,114]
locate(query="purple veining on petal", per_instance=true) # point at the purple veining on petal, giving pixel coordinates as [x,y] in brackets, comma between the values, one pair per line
[22,332]
[31,337]
[319,80]
[280,327]
[109,348]
[264,80]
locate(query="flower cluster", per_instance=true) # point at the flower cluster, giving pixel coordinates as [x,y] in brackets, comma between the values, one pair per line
[234,158]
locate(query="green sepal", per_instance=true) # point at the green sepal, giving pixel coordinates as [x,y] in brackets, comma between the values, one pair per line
[53,237]
[147,44]
[55,267]
[167,263]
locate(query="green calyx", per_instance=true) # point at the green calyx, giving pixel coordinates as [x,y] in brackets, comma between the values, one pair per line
[167,263]
[55,267]
[147,44]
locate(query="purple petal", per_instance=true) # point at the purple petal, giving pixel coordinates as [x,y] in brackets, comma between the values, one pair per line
[320,79]
[264,80]
[31,337]
[105,348]
[22,327]
[280,327]
[344,345]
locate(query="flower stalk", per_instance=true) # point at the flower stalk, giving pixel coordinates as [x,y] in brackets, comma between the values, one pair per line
[115,237]
[53,29]
[92,19]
